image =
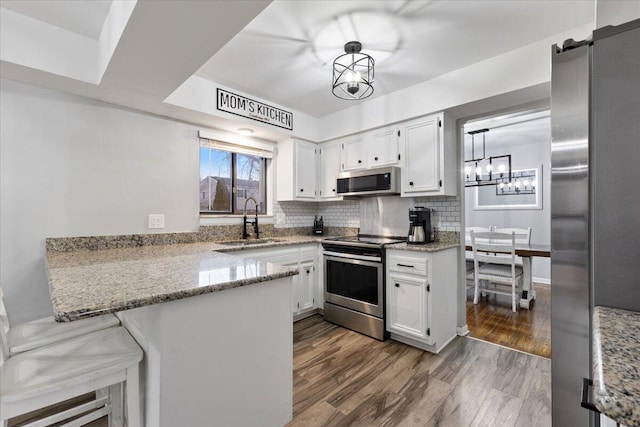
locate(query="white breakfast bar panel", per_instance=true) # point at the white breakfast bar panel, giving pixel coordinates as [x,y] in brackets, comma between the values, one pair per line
[215,328]
[223,358]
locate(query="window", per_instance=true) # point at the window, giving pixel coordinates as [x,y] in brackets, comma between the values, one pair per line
[230,180]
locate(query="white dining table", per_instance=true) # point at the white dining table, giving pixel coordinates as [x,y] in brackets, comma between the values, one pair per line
[526,252]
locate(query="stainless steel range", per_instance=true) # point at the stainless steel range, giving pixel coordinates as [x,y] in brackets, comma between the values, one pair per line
[354,278]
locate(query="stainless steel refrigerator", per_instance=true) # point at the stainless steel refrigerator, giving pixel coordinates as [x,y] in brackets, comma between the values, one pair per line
[595,200]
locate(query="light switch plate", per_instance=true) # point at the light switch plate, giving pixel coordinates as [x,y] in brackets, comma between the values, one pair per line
[156,220]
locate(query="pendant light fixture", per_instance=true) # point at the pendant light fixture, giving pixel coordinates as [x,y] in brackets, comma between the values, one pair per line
[353,73]
[486,170]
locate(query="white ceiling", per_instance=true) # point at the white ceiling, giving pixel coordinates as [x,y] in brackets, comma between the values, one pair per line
[285,53]
[81,17]
[280,51]
[522,128]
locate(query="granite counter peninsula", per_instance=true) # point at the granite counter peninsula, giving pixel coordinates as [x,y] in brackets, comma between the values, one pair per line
[215,328]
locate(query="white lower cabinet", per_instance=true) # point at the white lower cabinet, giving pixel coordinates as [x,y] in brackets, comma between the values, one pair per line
[305,294]
[421,297]
[409,306]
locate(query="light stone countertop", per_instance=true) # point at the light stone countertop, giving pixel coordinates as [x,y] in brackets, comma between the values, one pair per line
[88,283]
[429,247]
[270,242]
[616,364]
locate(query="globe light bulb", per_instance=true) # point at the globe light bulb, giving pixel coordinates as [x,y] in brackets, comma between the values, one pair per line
[534,184]
[467,170]
[501,168]
[353,77]
[501,185]
[478,170]
[526,182]
[517,184]
[489,167]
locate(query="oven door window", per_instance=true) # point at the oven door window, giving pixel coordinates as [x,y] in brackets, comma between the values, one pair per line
[355,281]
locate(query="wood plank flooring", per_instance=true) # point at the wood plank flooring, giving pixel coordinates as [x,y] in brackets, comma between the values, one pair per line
[527,330]
[342,378]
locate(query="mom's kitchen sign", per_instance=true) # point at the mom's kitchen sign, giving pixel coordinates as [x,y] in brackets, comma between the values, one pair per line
[246,107]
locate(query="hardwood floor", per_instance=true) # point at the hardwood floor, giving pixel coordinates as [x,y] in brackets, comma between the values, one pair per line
[342,378]
[527,330]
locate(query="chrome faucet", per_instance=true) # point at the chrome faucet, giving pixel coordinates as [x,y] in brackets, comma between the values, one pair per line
[246,221]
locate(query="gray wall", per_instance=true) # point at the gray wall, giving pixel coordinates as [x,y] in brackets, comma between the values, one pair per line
[530,146]
[70,166]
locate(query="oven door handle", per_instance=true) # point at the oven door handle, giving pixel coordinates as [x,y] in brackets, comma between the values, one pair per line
[352,256]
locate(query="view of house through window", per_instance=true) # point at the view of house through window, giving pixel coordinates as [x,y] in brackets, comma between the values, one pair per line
[229,180]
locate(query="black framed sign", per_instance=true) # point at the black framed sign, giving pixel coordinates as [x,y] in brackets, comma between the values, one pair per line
[239,105]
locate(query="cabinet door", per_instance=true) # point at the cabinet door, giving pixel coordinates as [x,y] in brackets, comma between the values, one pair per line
[307,287]
[408,305]
[295,293]
[384,147]
[422,155]
[329,169]
[305,170]
[354,153]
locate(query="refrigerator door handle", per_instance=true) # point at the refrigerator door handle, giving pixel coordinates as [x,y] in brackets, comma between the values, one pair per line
[586,384]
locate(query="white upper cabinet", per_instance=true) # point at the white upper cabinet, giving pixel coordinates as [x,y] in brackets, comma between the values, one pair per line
[372,149]
[384,147]
[354,153]
[429,157]
[296,170]
[329,169]
[306,170]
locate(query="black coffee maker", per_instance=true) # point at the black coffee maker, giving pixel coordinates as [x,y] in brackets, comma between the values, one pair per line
[419,226]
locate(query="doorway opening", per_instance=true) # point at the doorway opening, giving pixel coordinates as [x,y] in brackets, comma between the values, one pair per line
[519,204]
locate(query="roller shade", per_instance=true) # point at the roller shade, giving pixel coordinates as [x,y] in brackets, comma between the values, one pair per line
[252,148]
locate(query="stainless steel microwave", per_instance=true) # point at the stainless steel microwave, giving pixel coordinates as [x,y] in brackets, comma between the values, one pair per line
[370,182]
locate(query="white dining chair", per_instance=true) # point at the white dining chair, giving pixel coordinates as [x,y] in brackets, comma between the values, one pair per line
[40,332]
[499,270]
[468,255]
[523,237]
[105,359]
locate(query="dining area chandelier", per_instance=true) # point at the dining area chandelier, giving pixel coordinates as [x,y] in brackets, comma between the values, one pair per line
[492,170]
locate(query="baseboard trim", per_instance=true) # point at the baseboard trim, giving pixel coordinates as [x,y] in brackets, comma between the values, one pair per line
[306,314]
[462,331]
[542,280]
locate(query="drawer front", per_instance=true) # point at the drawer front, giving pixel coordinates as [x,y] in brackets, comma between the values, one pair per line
[407,264]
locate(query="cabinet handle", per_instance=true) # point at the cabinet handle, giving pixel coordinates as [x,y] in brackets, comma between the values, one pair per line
[301,190]
[334,190]
[359,161]
[405,265]
[397,285]
[375,158]
[586,383]
[411,183]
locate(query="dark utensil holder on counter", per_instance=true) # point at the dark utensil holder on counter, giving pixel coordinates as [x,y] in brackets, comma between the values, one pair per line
[318,225]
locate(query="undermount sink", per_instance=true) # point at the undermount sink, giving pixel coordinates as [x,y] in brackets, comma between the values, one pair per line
[249,242]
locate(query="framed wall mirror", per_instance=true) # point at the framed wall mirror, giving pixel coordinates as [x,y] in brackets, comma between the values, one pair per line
[523,192]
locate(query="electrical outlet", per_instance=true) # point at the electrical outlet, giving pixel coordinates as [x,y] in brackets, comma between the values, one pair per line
[156,220]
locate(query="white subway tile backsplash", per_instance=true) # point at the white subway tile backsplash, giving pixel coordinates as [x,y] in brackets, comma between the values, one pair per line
[446,213]
[301,214]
